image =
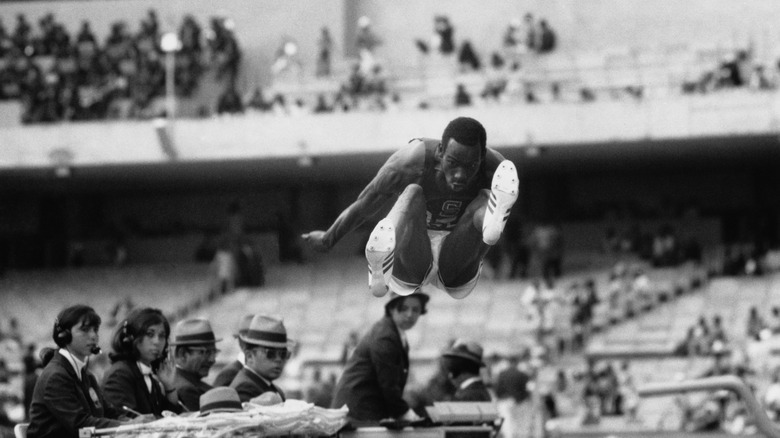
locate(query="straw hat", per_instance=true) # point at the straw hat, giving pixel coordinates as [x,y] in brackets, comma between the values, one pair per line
[220,399]
[469,350]
[243,325]
[193,332]
[266,331]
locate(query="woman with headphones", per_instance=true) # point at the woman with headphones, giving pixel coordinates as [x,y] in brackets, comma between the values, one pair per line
[67,396]
[141,377]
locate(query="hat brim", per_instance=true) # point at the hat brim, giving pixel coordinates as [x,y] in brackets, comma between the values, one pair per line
[464,356]
[220,410]
[261,343]
[195,342]
[424,298]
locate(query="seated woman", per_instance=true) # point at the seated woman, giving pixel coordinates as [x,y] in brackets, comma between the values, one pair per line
[67,396]
[141,377]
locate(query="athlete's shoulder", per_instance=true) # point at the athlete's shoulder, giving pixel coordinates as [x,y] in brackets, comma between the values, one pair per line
[492,159]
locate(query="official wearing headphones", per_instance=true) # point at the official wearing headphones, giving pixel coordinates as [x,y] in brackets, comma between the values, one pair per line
[142,377]
[67,396]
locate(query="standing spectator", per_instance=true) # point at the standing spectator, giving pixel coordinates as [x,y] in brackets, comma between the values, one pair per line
[266,349]
[324,49]
[530,36]
[755,324]
[462,363]
[195,353]
[373,381]
[511,387]
[228,373]
[366,42]
[547,38]
[774,321]
[467,58]
[141,377]
[444,35]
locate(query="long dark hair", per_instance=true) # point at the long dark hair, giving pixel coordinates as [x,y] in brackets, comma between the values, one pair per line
[64,323]
[131,331]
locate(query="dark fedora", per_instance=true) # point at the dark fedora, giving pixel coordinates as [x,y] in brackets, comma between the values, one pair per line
[266,331]
[468,350]
[220,399]
[193,332]
[394,298]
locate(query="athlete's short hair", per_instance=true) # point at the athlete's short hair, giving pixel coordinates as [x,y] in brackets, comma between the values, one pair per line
[466,131]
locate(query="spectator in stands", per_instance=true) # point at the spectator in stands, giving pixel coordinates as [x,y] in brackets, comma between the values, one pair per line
[511,386]
[444,35]
[530,34]
[547,37]
[31,366]
[774,320]
[225,52]
[257,102]
[366,43]
[266,349]
[468,61]
[322,105]
[462,363]
[229,101]
[771,397]
[755,324]
[628,395]
[195,353]
[462,97]
[324,49]
[373,381]
[67,396]
[228,373]
[141,376]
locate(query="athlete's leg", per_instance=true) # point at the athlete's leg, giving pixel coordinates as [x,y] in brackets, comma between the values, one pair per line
[463,249]
[399,244]
[479,228]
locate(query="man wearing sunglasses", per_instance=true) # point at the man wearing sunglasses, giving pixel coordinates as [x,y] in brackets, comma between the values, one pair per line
[266,351]
[194,353]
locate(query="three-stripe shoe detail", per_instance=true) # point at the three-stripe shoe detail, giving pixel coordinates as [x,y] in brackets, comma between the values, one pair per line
[503,194]
[380,254]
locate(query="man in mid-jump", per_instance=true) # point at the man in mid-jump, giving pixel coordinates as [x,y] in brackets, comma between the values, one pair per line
[455,198]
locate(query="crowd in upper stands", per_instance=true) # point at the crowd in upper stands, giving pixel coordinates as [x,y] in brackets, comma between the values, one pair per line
[60,77]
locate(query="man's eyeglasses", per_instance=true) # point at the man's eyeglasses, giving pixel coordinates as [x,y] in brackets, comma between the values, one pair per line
[208,352]
[276,353]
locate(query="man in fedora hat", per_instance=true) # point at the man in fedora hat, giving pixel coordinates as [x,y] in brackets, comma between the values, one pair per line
[266,349]
[373,381]
[195,353]
[228,373]
[462,363]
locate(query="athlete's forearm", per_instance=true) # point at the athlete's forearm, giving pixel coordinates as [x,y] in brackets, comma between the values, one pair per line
[347,221]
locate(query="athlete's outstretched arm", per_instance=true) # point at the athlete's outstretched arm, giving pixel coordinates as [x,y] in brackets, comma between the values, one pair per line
[402,168]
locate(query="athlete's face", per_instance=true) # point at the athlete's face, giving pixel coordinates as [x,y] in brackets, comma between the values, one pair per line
[459,165]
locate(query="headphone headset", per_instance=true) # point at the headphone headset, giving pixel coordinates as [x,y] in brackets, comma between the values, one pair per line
[127,338]
[62,335]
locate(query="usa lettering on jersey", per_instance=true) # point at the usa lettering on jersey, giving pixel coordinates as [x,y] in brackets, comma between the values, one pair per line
[445,216]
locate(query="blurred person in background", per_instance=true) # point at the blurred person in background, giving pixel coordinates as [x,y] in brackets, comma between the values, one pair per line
[511,386]
[67,396]
[228,373]
[195,353]
[266,350]
[373,381]
[463,362]
[142,377]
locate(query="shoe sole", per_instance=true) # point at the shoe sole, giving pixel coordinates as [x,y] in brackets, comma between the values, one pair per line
[380,254]
[503,194]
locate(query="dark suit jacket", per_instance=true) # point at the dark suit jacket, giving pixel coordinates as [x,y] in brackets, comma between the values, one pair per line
[373,381]
[124,385]
[476,391]
[189,387]
[226,376]
[249,385]
[62,403]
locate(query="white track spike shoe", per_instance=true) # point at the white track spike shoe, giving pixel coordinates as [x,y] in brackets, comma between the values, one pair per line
[380,252]
[503,194]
